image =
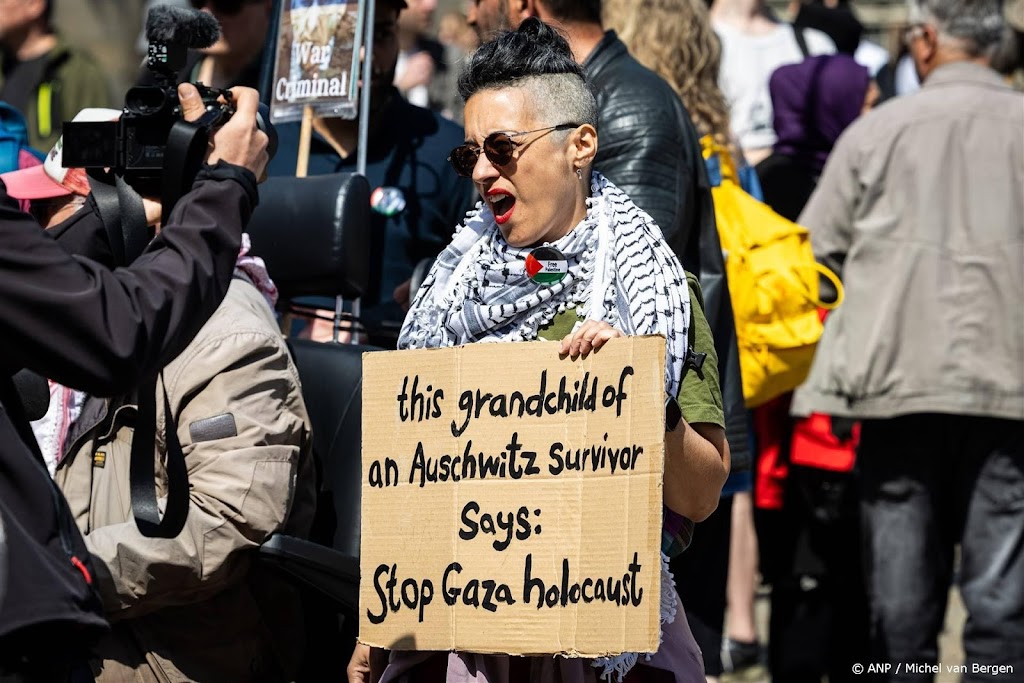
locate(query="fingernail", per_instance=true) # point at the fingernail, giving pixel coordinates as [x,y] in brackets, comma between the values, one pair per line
[187,94]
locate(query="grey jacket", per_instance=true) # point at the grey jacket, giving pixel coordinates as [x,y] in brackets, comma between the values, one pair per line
[199,606]
[921,210]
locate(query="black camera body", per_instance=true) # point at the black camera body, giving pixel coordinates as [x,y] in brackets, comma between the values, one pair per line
[136,145]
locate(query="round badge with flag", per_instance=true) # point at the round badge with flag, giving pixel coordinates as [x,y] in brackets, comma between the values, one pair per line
[387,201]
[546,266]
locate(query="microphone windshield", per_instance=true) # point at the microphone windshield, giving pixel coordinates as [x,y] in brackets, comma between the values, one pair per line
[180,26]
[34,392]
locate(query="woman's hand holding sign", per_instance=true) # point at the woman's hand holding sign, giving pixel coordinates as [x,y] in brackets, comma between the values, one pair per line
[590,336]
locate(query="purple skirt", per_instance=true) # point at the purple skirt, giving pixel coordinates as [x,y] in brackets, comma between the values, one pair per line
[677,661]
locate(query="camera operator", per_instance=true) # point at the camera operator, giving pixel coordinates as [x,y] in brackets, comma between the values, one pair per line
[102,331]
[191,604]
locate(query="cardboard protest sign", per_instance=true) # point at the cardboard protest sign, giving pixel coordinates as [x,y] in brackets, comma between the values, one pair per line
[316,59]
[512,499]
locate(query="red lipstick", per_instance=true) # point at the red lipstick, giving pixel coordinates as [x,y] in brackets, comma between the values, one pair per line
[502,204]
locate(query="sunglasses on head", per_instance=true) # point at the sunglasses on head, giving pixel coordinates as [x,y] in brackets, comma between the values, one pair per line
[225,7]
[498,148]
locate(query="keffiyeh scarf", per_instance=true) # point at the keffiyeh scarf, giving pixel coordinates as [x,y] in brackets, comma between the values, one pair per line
[620,271]
[255,270]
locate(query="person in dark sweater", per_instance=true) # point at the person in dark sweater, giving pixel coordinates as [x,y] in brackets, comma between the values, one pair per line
[41,76]
[814,101]
[417,198]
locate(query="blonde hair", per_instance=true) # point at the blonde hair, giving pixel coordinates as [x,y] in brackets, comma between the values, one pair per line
[674,39]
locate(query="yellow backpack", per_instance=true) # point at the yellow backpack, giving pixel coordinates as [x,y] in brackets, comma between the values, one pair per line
[773,285]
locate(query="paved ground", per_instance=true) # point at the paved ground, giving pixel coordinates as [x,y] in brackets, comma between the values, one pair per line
[949,642]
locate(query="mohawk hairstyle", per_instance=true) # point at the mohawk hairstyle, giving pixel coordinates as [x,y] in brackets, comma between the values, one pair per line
[535,49]
[538,59]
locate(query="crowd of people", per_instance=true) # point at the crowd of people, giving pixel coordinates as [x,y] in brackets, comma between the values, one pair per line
[605,130]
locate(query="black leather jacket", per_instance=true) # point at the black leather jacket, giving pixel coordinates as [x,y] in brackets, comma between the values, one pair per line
[649,148]
[647,144]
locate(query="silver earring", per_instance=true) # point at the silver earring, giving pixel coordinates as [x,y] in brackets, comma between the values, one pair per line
[579,173]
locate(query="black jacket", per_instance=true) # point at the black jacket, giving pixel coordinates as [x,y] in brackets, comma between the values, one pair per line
[647,145]
[102,331]
[649,148]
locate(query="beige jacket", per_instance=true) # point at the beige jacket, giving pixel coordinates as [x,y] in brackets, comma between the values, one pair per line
[921,210]
[197,607]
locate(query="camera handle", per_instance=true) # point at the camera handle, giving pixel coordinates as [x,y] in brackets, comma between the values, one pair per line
[183,156]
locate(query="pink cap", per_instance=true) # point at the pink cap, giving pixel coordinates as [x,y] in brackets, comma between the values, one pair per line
[52,179]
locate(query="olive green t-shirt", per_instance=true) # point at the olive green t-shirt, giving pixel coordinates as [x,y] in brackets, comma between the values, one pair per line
[700,400]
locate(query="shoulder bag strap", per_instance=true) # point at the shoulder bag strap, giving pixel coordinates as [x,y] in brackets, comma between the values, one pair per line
[145,507]
[801,41]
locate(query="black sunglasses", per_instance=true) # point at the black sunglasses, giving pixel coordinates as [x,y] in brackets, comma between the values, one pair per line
[225,7]
[498,148]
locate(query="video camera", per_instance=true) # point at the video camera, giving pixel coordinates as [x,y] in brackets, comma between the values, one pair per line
[151,145]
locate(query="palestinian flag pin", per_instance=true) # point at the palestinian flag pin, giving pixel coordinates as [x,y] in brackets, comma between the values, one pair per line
[546,266]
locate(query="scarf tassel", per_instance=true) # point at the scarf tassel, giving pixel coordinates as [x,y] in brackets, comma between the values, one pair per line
[620,665]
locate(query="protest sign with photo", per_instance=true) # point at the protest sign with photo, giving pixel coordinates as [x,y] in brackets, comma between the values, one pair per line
[316,60]
[512,498]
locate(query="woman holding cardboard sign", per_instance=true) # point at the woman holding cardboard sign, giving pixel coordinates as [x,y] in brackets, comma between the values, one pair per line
[555,251]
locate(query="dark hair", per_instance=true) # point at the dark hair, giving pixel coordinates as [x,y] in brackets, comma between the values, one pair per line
[537,59]
[588,11]
[534,49]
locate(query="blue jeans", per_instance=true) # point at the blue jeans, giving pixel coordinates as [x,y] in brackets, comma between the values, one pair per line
[929,483]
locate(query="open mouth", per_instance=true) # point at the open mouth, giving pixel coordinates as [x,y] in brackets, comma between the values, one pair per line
[502,206]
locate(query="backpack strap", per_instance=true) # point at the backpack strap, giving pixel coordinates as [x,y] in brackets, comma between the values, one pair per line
[693,361]
[715,153]
[801,41]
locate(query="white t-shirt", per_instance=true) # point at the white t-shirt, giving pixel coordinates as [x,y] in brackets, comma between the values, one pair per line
[872,56]
[418,94]
[906,80]
[747,64]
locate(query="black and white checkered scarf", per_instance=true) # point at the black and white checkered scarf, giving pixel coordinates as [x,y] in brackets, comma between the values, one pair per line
[620,271]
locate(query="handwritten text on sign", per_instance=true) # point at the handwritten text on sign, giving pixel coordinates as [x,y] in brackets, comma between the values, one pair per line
[512,498]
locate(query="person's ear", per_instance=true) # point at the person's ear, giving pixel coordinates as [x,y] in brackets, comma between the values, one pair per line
[583,145]
[929,42]
[871,97]
[520,10]
[35,8]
